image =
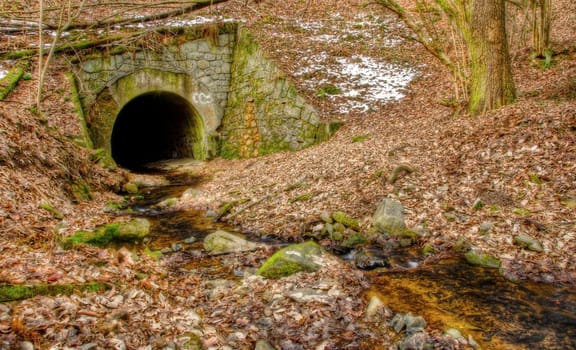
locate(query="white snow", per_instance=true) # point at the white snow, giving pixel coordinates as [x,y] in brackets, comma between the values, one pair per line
[365,82]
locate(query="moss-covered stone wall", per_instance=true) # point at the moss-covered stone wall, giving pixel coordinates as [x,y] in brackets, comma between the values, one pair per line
[245,105]
[264,113]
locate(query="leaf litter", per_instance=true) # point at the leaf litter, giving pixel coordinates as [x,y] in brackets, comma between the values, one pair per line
[154,304]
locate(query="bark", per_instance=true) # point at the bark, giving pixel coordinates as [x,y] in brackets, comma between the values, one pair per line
[491,81]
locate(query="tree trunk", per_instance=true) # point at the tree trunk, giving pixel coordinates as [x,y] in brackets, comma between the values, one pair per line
[491,81]
[541,26]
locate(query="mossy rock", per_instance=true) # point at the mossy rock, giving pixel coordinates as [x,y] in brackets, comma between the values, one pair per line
[428,249]
[527,242]
[130,187]
[130,231]
[355,240]
[20,292]
[389,217]
[81,191]
[194,342]
[483,260]
[346,220]
[303,257]
[222,242]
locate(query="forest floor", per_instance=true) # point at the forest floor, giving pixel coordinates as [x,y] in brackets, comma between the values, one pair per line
[518,161]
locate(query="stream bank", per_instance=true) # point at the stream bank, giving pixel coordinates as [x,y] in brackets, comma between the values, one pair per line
[477,307]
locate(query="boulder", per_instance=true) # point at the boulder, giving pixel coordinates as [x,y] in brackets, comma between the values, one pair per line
[222,242]
[135,229]
[483,260]
[389,217]
[295,258]
[527,242]
[347,221]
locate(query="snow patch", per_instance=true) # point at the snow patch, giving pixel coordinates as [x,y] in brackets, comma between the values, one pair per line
[365,82]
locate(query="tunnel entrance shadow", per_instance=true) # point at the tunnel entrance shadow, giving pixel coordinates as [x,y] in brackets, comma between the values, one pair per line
[155,126]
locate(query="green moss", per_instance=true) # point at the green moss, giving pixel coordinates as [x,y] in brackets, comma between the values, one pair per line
[428,249]
[9,82]
[535,179]
[302,198]
[20,292]
[521,211]
[346,220]
[130,231]
[359,138]
[49,208]
[154,254]
[355,240]
[194,342]
[328,89]
[81,191]
[102,236]
[483,260]
[101,157]
[85,140]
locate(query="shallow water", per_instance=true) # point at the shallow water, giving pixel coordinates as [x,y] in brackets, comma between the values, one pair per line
[495,312]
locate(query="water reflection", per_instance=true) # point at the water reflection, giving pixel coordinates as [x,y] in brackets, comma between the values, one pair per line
[499,314]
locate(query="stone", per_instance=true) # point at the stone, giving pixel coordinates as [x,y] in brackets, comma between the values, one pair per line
[222,242]
[347,221]
[130,187]
[527,242]
[135,229]
[365,260]
[26,345]
[389,217]
[486,227]
[483,260]
[454,333]
[309,295]
[376,308]
[412,324]
[416,341]
[326,217]
[303,257]
[263,345]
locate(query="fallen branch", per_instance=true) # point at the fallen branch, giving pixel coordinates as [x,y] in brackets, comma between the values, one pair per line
[198,5]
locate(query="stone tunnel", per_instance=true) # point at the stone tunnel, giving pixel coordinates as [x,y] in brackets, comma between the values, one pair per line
[155,126]
[203,96]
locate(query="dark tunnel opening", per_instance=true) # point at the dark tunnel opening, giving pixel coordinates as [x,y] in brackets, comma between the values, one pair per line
[151,127]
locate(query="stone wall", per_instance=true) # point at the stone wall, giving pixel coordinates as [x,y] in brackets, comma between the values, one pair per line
[198,70]
[245,106]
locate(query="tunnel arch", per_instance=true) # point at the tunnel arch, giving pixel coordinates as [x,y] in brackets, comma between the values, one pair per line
[154,126]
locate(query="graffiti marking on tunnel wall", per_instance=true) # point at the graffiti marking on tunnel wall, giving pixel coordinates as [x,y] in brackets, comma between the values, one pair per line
[202,98]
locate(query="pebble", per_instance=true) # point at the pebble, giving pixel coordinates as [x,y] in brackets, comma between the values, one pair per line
[26,345]
[190,240]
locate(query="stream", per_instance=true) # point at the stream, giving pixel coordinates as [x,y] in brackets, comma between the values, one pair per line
[497,313]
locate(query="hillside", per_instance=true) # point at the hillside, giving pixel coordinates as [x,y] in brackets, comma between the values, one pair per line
[473,181]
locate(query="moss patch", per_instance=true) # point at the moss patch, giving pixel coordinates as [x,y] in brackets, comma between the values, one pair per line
[346,220]
[9,82]
[20,292]
[131,231]
[483,260]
